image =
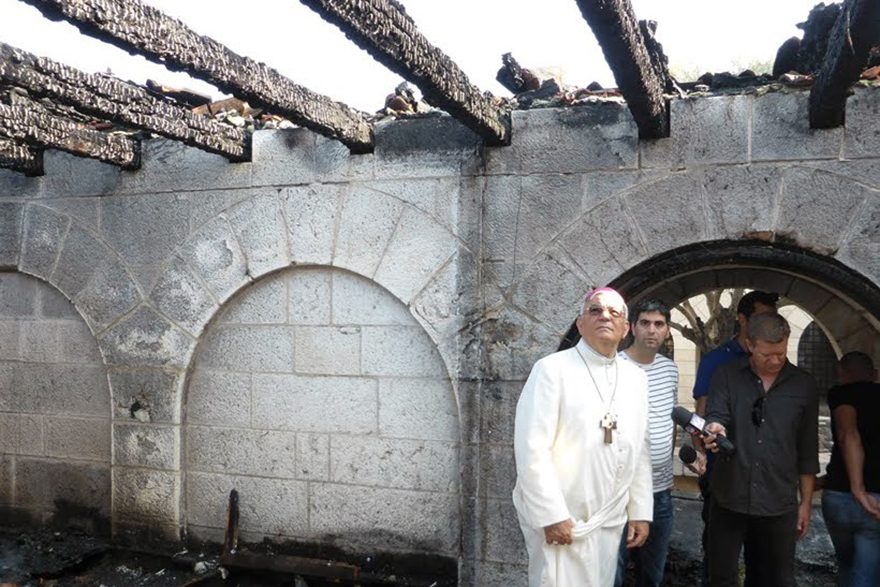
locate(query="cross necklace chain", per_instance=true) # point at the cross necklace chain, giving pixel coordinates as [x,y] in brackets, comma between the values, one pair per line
[609,420]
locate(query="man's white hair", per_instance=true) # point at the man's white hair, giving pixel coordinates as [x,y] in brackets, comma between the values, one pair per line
[602,290]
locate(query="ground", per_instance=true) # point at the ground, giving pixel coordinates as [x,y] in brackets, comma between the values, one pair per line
[60,559]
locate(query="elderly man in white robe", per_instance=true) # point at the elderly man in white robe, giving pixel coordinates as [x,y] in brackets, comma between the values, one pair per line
[582,452]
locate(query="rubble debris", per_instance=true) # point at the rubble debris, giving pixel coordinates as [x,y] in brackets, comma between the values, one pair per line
[386,31]
[615,26]
[186,97]
[144,30]
[872,73]
[402,101]
[796,80]
[514,77]
[548,89]
[232,104]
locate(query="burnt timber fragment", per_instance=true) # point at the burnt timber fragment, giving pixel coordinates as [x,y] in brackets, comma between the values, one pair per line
[18,156]
[27,121]
[124,103]
[857,30]
[817,31]
[386,31]
[230,539]
[786,57]
[515,77]
[615,26]
[141,29]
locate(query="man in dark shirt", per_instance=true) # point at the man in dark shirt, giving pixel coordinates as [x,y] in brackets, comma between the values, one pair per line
[770,411]
[851,495]
[754,302]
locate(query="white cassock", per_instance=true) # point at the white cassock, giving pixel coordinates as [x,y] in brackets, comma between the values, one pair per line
[565,470]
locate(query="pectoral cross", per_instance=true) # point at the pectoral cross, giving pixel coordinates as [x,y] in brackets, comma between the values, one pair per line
[608,423]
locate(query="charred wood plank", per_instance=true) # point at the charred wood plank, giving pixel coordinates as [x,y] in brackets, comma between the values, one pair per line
[124,103]
[141,29]
[27,121]
[230,541]
[293,565]
[857,30]
[386,31]
[18,156]
[617,30]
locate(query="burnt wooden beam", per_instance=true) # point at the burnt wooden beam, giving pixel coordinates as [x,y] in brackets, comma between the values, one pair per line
[617,30]
[26,121]
[857,30]
[124,103]
[384,30]
[21,157]
[141,29]
[18,156]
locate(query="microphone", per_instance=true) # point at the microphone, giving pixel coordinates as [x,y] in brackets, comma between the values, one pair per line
[687,454]
[695,424]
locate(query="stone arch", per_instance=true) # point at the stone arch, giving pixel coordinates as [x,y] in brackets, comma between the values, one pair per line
[317,395]
[417,258]
[843,302]
[806,207]
[57,248]
[55,411]
[365,230]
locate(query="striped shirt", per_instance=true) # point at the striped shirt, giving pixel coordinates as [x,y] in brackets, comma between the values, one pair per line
[662,397]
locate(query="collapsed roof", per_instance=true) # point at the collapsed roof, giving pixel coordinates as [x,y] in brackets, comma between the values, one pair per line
[45,104]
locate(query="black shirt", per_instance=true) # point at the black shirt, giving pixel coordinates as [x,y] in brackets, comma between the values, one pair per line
[761,477]
[865,398]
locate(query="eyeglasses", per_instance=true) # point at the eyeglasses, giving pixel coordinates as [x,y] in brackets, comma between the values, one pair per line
[596,311]
[758,411]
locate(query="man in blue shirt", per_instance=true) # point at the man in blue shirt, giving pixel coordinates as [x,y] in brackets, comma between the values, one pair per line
[754,302]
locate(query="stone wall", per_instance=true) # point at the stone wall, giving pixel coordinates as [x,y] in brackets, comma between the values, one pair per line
[344,337]
[54,411]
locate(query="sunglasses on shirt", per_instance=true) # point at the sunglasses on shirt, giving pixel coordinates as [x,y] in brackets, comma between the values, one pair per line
[758,411]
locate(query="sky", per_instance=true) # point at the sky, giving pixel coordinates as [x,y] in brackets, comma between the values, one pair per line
[697,35]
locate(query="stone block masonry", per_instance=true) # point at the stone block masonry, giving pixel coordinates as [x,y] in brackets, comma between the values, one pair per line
[343,338]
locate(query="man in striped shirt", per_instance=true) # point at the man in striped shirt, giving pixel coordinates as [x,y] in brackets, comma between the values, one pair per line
[649,323]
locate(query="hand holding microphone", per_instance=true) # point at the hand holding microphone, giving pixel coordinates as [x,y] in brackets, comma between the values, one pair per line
[693,460]
[713,434]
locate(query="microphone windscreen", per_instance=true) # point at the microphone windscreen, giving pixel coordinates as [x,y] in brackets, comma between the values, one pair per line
[681,416]
[687,454]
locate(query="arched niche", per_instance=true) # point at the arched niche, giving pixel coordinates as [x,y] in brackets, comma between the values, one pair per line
[55,413]
[318,397]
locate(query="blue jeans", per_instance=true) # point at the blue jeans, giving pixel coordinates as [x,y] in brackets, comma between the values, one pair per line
[650,559]
[856,538]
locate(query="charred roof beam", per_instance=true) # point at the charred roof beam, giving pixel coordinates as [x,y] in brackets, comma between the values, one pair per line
[386,31]
[20,157]
[124,103]
[138,28]
[638,77]
[26,121]
[856,30]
